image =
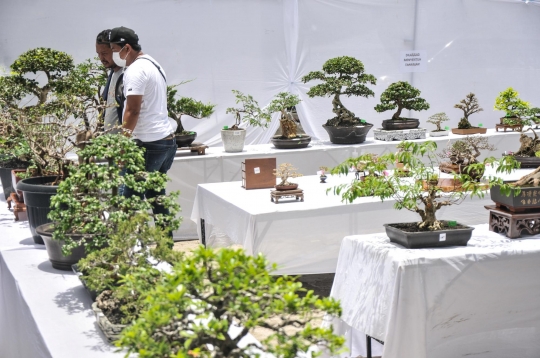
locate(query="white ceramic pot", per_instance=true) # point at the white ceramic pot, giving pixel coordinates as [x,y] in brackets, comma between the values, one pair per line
[439,134]
[233,140]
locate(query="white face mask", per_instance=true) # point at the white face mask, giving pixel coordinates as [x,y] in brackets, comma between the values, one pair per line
[116,58]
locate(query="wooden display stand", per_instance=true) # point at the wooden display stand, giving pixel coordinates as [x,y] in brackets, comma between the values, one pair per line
[198,148]
[512,224]
[513,127]
[258,173]
[275,195]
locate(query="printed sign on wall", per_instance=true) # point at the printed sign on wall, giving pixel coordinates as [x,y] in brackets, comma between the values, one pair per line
[413,61]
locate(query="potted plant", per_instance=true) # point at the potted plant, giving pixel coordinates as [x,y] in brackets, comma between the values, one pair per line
[421,194]
[212,300]
[322,174]
[437,119]
[185,106]
[284,103]
[520,196]
[526,154]
[343,76]
[88,206]
[284,172]
[463,154]
[469,105]
[515,110]
[234,137]
[401,95]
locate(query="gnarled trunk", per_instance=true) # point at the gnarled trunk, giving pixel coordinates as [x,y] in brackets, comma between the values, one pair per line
[343,115]
[288,125]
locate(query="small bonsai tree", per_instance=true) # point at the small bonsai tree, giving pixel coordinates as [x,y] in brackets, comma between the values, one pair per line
[213,299]
[341,76]
[252,113]
[88,201]
[465,152]
[422,195]
[283,102]
[186,106]
[284,172]
[529,146]
[469,106]
[401,95]
[515,108]
[437,119]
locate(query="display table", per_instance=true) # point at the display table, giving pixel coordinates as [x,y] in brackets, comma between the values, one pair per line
[304,237]
[482,300]
[218,166]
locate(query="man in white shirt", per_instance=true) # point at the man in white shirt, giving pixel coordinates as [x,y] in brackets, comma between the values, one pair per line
[145,112]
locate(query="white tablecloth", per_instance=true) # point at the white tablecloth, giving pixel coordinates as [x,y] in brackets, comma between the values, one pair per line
[218,166]
[482,300]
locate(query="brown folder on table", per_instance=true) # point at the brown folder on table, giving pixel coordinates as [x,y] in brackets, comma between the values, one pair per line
[258,173]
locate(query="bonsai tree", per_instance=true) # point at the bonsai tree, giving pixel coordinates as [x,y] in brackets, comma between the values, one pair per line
[421,195]
[250,112]
[284,172]
[465,152]
[283,103]
[178,107]
[514,107]
[341,76]
[529,146]
[211,301]
[89,202]
[401,95]
[437,119]
[469,106]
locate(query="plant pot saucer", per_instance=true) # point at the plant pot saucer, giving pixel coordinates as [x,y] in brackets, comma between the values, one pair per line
[429,239]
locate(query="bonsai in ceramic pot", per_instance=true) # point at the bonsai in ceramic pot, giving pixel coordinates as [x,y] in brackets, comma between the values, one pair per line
[210,302]
[437,119]
[283,103]
[463,154]
[421,194]
[401,95]
[89,204]
[515,109]
[343,76]
[469,105]
[284,172]
[527,152]
[234,137]
[186,106]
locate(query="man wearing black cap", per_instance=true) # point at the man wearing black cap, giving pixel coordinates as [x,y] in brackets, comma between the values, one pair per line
[145,112]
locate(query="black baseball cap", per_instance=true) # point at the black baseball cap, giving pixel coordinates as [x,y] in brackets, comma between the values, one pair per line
[123,35]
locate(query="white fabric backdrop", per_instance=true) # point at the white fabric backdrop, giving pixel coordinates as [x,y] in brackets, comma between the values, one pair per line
[262,47]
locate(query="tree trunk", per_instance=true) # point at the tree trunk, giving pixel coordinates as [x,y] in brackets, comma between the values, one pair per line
[399,109]
[288,126]
[343,115]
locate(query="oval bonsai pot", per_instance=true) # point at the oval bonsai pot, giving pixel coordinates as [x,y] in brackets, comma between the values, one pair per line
[301,141]
[293,186]
[233,140]
[54,248]
[185,140]
[439,133]
[348,135]
[424,239]
[472,130]
[37,197]
[400,124]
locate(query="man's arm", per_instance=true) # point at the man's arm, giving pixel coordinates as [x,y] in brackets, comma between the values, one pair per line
[132,111]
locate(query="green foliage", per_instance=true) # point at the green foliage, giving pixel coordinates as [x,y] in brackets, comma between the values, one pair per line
[207,293]
[341,76]
[401,95]
[284,102]
[88,201]
[252,113]
[416,193]
[466,151]
[437,119]
[509,102]
[177,107]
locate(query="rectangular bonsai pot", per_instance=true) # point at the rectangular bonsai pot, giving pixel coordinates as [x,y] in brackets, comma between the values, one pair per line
[475,130]
[419,240]
[528,198]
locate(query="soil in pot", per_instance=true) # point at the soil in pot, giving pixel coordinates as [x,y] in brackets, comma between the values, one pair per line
[54,249]
[185,140]
[301,141]
[348,135]
[400,124]
[412,237]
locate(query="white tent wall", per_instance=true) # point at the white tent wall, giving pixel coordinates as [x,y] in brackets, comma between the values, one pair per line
[262,47]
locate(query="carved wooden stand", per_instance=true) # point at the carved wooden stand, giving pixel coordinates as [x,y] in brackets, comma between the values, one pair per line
[198,148]
[512,224]
[275,195]
[513,127]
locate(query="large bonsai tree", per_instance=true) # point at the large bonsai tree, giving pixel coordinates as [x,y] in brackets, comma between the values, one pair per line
[469,106]
[212,299]
[250,112]
[283,103]
[186,106]
[341,76]
[401,95]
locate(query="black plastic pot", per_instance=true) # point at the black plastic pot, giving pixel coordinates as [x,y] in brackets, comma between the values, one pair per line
[5,176]
[400,124]
[418,240]
[54,249]
[301,141]
[348,135]
[528,198]
[185,140]
[37,197]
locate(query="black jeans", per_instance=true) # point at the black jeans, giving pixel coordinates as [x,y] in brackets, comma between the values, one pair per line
[159,156]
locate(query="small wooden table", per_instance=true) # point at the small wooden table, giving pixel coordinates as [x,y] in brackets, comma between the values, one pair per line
[198,148]
[275,195]
[513,127]
[512,224]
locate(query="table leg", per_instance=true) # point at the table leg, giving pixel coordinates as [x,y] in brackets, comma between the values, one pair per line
[203,233]
[368,346]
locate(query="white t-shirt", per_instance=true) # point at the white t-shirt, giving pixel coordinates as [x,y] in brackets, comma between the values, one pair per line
[143,78]
[111,112]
